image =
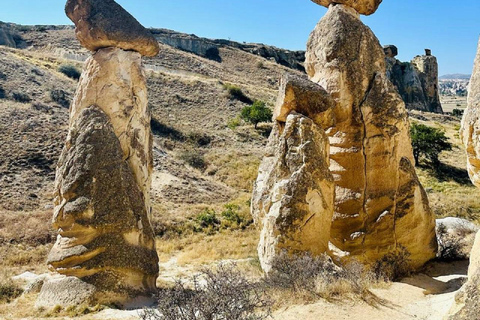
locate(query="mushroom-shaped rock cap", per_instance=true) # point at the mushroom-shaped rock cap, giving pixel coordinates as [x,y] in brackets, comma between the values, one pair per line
[104,23]
[366,7]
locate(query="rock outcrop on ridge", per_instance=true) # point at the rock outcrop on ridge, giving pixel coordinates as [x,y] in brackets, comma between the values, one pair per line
[416,81]
[467,301]
[104,173]
[380,208]
[293,195]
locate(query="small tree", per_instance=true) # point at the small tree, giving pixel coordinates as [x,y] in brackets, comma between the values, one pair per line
[256,113]
[428,142]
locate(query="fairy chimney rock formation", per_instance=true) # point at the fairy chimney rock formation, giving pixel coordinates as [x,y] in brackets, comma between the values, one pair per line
[365,7]
[104,23]
[380,206]
[467,301]
[427,67]
[104,172]
[293,195]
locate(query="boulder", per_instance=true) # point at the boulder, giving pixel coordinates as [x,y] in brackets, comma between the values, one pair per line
[104,23]
[65,292]
[380,206]
[365,7]
[293,196]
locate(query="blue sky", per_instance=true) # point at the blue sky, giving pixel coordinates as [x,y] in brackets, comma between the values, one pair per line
[450,28]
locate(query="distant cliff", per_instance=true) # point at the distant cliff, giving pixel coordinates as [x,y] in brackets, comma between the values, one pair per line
[209,48]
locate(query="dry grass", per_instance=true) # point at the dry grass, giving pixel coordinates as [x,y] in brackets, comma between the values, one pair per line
[236,169]
[203,249]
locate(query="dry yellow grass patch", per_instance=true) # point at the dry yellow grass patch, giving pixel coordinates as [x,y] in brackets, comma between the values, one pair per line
[199,248]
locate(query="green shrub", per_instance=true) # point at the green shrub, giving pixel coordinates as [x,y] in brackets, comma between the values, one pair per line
[199,139]
[233,123]
[457,112]
[207,218]
[70,71]
[428,142]
[256,113]
[235,92]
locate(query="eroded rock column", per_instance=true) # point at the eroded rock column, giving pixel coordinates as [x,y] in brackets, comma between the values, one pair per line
[106,242]
[293,196]
[467,301]
[380,206]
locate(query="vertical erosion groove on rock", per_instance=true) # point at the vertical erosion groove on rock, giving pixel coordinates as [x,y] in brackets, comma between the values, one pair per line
[293,196]
[103,176]
[467,301]
[380,206]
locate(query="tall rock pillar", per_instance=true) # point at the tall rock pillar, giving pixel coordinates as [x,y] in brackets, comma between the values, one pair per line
[467,304]
[380,206]
[427,66]
[106,244]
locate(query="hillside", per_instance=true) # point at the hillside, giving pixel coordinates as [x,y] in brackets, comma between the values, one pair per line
[201,160]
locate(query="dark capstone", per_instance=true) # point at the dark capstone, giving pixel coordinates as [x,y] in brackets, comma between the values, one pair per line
[390,50]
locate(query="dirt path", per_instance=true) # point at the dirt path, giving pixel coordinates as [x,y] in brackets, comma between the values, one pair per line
[426,296]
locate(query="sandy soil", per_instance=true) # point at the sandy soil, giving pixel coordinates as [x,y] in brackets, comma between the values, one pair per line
[426,296]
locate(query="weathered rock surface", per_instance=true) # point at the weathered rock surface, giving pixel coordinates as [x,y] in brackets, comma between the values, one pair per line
[65,292]
[294,193]
[427,67]
[105,237]
[455,237]
[390,50]
[418,87]
[9,37]
[365,7]
[293,197]
[470,130]
[467,301]
[104,23]
[380,207]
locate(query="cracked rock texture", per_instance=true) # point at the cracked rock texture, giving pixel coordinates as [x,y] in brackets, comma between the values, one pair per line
[467,301]
[365,7]
[105,237]
[293,196]
[104,23]
[380,206]
[427,67]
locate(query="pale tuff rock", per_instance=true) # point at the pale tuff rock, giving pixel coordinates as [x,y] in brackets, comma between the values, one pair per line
[305,97]
[365,7]
[427,67]
[105,236]
[293,196]
[467,301]
[380,207]
[104,23]
[470,130]
[105,239]
[65,292]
